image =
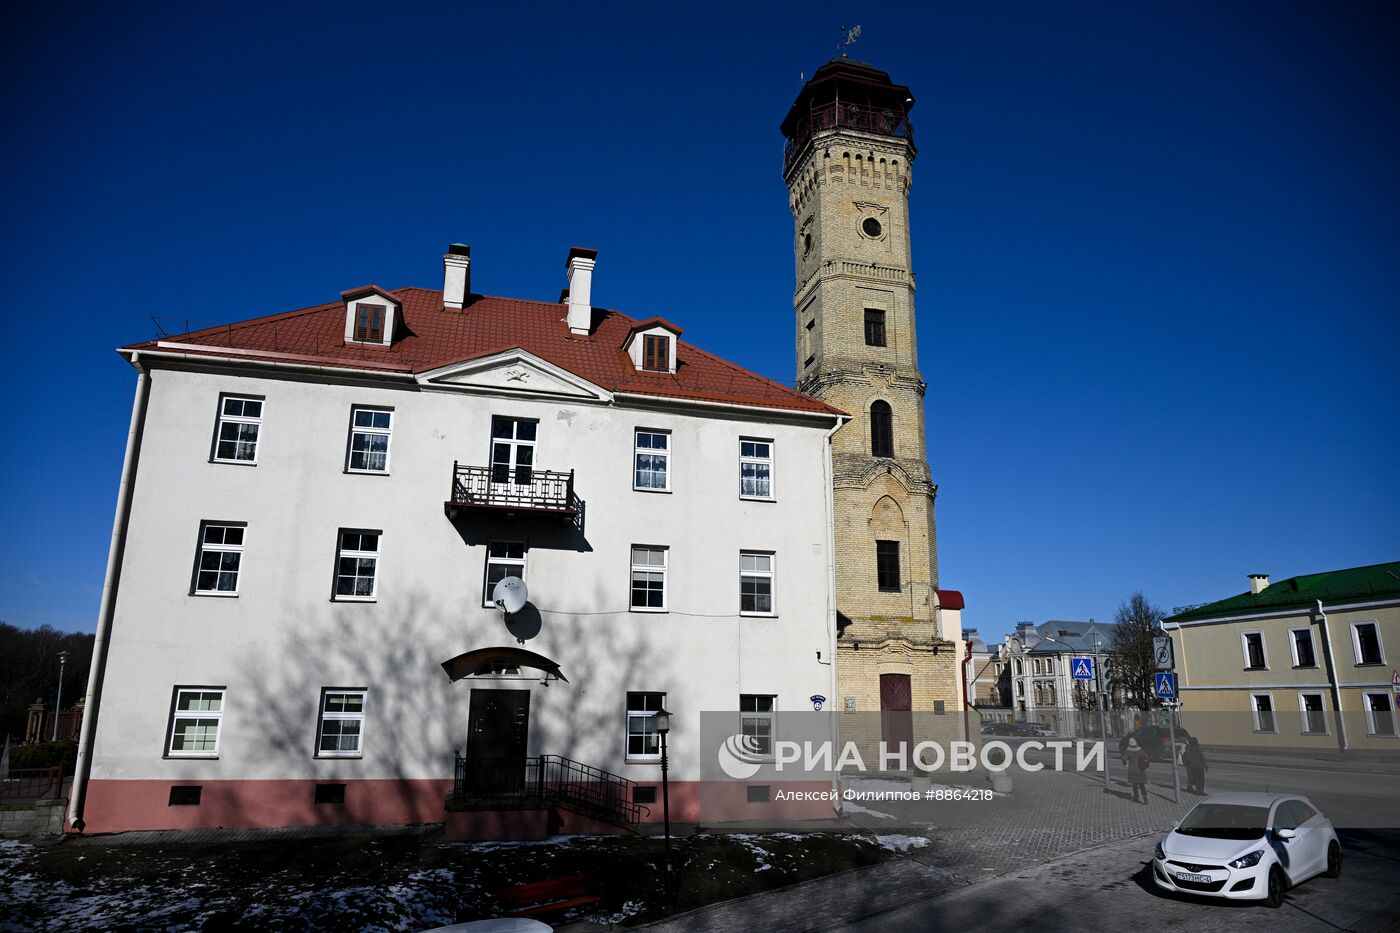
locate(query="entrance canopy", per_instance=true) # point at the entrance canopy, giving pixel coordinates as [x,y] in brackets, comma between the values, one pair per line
[499,661]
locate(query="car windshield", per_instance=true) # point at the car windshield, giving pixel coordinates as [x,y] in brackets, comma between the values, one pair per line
[1225,821]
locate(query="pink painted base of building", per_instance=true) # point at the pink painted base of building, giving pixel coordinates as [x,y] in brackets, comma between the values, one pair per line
[114,806]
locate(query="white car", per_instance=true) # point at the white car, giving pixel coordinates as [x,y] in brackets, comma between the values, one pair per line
[1247,847]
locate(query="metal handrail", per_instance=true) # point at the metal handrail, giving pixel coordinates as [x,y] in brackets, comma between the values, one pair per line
[22,784]
[880,120]
[520,487]
[551,779]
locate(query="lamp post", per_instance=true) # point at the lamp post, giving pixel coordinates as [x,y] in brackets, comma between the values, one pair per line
[663,726]
[1099,700]
[58,701]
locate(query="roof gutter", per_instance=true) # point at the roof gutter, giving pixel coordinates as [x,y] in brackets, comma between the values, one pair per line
[107,608]
[271,364]
[841,417]
[829,503]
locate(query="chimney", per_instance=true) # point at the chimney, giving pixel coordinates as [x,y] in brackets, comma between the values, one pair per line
[581,262]
[456,275]
[1257,582]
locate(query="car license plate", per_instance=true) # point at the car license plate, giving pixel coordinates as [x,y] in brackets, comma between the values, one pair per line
[1188,876]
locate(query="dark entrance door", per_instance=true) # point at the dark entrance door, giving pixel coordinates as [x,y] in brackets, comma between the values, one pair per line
[498,726]
[896,713]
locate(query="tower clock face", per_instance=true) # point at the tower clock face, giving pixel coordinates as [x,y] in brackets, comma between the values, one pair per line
[871,227]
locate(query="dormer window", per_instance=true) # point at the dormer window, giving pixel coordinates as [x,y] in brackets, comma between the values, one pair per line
[369,323]
[656,353]
[652,345]
[371,316]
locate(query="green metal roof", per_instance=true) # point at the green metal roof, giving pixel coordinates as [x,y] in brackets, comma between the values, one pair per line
[1377,580]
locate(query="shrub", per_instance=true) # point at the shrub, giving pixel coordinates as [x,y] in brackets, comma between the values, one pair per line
[45,755]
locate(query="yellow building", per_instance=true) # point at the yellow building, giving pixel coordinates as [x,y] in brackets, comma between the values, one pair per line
[847,166]
[1308,662]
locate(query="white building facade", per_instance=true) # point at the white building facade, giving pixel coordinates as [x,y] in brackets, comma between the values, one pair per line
[298,628]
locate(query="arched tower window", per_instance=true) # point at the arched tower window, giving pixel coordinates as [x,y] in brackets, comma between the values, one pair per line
[881,430]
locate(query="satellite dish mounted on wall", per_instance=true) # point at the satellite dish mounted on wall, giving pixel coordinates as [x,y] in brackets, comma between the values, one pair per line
[510,595]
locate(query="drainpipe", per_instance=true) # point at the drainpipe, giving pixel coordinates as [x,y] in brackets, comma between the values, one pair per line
[830,479]
[106,610]
[1332,676]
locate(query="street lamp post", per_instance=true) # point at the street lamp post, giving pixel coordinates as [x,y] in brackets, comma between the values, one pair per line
[58,701]
[663,726]
[1099,701]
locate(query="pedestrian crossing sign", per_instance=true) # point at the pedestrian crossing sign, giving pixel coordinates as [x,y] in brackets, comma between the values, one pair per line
[1166,685]
[1082,668]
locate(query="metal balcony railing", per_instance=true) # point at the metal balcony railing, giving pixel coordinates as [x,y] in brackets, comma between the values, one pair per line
[512,490]
[544,780]
[864,117]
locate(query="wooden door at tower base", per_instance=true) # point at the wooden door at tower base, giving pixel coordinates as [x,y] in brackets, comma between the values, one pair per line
[896,713]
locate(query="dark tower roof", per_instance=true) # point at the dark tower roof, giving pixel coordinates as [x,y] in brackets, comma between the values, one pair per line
[845,92]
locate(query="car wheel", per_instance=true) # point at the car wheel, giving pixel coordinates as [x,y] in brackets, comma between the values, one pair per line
[1334,861]
[1276,886]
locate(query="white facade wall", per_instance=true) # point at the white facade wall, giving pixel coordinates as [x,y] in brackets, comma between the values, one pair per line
[283,638]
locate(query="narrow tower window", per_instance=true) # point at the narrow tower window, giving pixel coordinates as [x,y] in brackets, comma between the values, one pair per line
[881,430]
[874,327]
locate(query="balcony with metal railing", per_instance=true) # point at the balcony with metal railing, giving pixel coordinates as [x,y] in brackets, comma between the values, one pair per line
[513,490]
[883,121]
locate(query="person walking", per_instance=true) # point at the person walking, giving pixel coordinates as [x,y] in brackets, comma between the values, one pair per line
[1196,766]
[1135,760]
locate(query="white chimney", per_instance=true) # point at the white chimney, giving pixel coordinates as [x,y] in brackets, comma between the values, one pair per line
[1257,582]
[456,275]
[581,262]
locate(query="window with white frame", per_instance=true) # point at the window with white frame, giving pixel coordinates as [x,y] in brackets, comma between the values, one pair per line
[1254,657]
[195,722]
[755,583]
[1314,719]
[236,435]
[648,578]
[643,741]
[756,721]
[1263,706]
[220,560]
[1380,717]
[340,733]
[370,431]
[1366,639]
[503,559]
[357,565]
[755,468]
[1303,654]
[651,462]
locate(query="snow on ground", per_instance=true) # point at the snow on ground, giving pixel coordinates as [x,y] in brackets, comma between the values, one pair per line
[897,842]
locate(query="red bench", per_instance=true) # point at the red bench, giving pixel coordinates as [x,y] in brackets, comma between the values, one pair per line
[546,897]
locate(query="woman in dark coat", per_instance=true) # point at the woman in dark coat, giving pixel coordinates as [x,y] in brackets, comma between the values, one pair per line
[1195,761]
[1135,760]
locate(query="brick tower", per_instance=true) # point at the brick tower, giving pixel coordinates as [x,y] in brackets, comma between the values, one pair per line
[847,164]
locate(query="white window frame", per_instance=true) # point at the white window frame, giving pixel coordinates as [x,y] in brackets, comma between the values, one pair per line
[1255,711]
[770,461]
[195,715]
[664,570]
[641,714]
[770,715]
[1263,649]
[771,575]
[357,554]
[1303,711]
[325,716]
[1293,646]
[1356,642]
[518,563]
[224,418]
[1371,714]
[369,431]
[219,548]
[639,451]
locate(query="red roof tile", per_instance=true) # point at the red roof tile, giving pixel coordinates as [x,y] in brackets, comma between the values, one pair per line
[434,337]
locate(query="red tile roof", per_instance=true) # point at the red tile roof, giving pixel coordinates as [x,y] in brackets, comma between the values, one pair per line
[951,599]
[433,337]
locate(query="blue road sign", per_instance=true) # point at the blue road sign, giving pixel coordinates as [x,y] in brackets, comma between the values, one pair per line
[1082,668]
[1166,685]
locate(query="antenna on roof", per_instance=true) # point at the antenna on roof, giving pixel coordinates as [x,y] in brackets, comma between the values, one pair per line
[851,35]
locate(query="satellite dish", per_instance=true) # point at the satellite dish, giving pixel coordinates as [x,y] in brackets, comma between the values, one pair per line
[510,595]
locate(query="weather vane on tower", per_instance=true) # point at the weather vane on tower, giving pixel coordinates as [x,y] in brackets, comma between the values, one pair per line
[851,35]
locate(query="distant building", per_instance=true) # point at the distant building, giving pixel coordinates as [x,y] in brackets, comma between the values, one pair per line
[1307,662]
[1038,658]
[984,672]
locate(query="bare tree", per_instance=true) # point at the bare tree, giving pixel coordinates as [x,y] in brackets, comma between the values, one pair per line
[1138,621]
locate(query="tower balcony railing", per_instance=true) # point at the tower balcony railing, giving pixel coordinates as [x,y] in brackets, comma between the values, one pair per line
[512,490]
[882,121]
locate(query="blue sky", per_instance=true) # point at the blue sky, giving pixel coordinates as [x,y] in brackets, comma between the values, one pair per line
[1155,244]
